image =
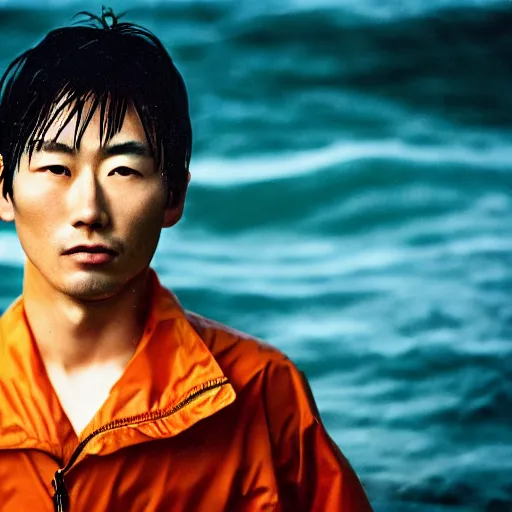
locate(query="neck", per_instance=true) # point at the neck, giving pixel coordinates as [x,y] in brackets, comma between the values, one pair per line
[75,334]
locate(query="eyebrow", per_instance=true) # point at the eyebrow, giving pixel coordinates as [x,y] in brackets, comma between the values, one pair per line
[130,148]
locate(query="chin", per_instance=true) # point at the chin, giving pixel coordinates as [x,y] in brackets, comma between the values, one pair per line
[92,288]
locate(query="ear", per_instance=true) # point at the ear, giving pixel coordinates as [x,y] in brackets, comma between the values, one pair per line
[175,205]
[6,207]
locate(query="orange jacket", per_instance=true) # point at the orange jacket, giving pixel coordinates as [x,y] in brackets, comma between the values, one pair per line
[203,419]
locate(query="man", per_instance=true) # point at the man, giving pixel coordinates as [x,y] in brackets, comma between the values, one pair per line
[112,397]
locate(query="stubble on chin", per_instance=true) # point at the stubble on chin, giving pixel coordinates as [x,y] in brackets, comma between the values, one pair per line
[91,287]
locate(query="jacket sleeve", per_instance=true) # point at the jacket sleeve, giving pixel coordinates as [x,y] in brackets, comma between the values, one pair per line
[312,473]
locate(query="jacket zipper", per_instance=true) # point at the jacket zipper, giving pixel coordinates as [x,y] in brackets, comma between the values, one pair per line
[61,499]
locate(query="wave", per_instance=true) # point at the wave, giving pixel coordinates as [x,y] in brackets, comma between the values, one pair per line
[222,172]
[352,189]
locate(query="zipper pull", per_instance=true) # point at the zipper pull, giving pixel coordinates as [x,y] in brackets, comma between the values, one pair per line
[60,498]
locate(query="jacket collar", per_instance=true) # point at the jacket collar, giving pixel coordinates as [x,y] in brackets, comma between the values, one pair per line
[171,382]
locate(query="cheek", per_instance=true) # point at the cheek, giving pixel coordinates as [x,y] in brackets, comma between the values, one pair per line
[35,195]
[142,216]
[36,207]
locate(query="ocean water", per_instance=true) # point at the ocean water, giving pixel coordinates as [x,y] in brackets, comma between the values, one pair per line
[351,204]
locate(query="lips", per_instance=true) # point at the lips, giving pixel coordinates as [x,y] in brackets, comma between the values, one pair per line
[91,249]
[88,256]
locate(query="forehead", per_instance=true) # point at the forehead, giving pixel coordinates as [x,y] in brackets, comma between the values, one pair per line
[88,123]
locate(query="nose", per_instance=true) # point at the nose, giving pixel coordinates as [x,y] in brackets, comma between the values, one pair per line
[87,202]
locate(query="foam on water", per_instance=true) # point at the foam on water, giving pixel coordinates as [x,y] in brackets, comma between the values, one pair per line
[227,172]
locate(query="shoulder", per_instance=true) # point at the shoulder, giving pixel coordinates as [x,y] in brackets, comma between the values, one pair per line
[247,360]
[312,472]
[234,350]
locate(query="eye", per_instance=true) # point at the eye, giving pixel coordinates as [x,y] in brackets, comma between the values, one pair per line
[124,171]
[58,170]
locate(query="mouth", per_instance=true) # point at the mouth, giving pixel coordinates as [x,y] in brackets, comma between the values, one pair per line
[91,249]
[91,255]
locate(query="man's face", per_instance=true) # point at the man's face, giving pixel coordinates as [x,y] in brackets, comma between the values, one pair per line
[111,196]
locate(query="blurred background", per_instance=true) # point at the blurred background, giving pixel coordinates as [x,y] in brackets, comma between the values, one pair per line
[351,204]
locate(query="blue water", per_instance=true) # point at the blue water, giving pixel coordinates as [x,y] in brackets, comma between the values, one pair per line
[351,204]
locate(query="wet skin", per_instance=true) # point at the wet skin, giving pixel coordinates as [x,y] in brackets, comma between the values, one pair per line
[111,195]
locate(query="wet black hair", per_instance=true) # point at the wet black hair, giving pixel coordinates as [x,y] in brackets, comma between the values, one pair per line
[97,63]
